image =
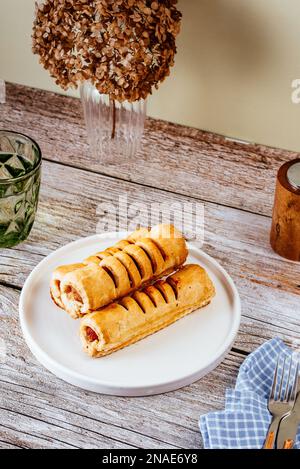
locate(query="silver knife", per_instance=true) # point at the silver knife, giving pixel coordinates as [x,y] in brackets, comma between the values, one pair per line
[289,424]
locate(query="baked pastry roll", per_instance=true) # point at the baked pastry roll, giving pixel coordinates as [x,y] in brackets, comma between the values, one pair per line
[137,234]
[146,311]
[61,271]
[56,279]
[108,275]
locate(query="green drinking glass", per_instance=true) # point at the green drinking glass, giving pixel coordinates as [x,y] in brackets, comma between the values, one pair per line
[20,175]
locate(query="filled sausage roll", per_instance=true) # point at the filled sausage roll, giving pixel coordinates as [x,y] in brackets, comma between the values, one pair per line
[123,270]
[61,271]
[137,234]
[146,311]
[56,279]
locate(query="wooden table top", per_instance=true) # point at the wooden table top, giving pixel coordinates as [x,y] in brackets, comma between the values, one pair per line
[236,184]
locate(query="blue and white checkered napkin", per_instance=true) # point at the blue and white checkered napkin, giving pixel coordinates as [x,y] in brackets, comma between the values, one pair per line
[244,422]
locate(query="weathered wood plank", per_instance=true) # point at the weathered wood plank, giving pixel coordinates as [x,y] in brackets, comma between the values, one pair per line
[39,410]
[7,445]
[196,163]
[268,284]
[2,92]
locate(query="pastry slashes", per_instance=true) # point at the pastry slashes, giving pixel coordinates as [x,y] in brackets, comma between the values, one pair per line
[143,257]
[146,311]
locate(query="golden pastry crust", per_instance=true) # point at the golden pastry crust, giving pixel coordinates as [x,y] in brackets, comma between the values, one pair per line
[61,271]
[146,311]
[56,279]
[122,269]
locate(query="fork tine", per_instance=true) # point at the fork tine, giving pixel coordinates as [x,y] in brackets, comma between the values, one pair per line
[292,395]
[281,380]
[273,389]
[282,399]
[288,386]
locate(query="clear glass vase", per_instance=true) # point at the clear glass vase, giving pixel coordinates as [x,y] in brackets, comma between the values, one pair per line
[113,128]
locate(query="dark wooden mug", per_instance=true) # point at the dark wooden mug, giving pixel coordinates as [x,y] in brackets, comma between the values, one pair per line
[285,231]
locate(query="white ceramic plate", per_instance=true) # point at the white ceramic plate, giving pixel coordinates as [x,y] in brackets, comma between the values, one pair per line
[174,357]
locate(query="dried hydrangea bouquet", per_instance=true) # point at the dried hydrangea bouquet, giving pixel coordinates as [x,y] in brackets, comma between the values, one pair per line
[116,51]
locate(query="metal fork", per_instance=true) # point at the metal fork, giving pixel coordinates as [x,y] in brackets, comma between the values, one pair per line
[280,403]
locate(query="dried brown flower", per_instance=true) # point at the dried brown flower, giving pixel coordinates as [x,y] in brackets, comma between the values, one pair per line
[125,47]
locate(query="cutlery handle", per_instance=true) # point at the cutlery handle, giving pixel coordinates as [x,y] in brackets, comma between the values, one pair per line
[269,442]
[272,432]
[288,444]
[288,429]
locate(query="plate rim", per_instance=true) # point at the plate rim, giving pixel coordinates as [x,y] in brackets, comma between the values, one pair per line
[100,386]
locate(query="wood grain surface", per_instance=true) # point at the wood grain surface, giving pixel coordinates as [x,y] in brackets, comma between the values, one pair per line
[235,185]
[198,164]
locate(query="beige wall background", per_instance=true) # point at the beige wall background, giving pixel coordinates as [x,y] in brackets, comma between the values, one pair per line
[235,65]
